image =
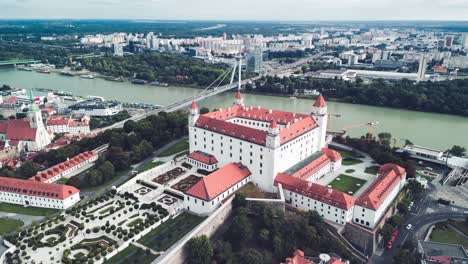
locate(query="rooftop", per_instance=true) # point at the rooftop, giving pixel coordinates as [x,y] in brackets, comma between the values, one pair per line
[219,181]
[389,177]
[293,125]
[203,157]
[47,190]
[315,191]
[434,251]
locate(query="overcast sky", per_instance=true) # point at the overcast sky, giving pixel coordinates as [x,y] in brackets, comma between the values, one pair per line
[238,9]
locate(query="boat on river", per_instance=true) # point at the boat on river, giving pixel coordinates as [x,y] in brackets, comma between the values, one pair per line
[87,76]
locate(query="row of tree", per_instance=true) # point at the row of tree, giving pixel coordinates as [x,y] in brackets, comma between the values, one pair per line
[164,67]
[448,97]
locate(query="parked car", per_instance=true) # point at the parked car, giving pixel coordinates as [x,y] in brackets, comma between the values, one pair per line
[409,226]
[411,204]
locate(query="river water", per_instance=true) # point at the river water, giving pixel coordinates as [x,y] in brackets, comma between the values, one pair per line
[426,129]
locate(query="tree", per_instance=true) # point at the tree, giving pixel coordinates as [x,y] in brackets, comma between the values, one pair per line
[199,250]
[107,170]
[223,252]
[74,181]
[26,170]
[239,200]
[458,151]
[415,187]
[252,256]
[241,228]
[204,110]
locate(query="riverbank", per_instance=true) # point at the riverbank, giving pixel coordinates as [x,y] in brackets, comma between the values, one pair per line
[427,129]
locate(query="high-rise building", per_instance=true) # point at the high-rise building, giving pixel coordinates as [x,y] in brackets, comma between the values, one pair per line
[449,41]
[254,60]
[376,56]
[422,68]
[118,49]
[465,41]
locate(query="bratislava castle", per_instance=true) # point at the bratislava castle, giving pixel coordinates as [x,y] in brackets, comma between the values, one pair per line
[266,141]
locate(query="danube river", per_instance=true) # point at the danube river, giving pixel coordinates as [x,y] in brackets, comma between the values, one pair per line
[426,129]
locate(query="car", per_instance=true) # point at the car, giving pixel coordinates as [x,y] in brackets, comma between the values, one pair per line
[411,204]
[409,226]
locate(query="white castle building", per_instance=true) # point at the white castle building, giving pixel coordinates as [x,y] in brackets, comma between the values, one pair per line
[266,141]
[279,151]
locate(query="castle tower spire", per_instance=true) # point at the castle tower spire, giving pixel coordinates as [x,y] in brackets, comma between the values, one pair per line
[238,99]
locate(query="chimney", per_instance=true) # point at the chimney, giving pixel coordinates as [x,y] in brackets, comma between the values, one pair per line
[309,184]
[330,190]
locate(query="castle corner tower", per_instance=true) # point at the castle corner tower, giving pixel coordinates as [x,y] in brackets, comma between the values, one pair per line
[320,115]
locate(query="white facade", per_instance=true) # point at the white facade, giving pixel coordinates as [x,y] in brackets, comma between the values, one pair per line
[38,201]
[201,165]
[370,218]
[203,207]
[264,161]
[328,212]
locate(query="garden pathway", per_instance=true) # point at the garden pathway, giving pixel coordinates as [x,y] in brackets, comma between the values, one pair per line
[147,248]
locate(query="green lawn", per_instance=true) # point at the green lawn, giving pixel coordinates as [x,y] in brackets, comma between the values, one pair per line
[448,236]
[348,154]
[181,154]
[176,148]
[372,170]
[461,225]
[350,161]
[132,254]
[9,225]
[168,233]
[346,183]
[108,183]
[61,181]
[150,165]
[19,209]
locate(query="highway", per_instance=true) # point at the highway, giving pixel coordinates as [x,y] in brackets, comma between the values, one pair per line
[207,93]
[425,213]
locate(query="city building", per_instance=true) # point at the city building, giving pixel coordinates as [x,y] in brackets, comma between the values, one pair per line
[422,68]
[203,160]
[38,194]
[376,199]
[300,258]
[437,253]
[26,135]
[96,108]
[254,60]
[424,152]
[334,206]
[61,124]
[118,49]
[206,195]
[67,168]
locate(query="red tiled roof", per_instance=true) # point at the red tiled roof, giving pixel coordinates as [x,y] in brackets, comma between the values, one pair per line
[233,130]
[203,157]
[389,177]
[3,127]
[294,124]
[320,102]
[78,123]
[332,154]
[315,191]
[440,259]
[298,258]
[47,190]
[59,168]
[20,130]
[10,100]
[193,105]
[219,181]
[311,168]
[57,121]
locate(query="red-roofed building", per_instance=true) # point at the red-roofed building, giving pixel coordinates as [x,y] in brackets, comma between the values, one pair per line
[61,124]
[300,258]
[203,160]
[332,205]
[377,198]
[267,141]
[38,194]
[439,69]
[66,169]
[205,196]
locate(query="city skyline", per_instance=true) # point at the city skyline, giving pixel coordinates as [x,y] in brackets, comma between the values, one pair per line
[298,10]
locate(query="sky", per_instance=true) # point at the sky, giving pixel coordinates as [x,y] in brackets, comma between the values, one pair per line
[272,10]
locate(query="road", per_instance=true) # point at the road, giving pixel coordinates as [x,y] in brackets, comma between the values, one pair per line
[207,93]
[423,215]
